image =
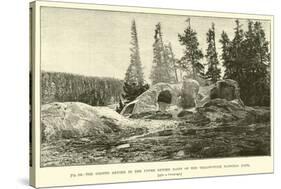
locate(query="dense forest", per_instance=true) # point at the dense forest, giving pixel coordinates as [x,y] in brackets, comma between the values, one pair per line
[95,91]
[245,59]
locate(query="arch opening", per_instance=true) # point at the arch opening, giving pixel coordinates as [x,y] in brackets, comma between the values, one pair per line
[164,99]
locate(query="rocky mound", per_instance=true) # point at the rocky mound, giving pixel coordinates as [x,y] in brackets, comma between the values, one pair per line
[74,120]
[161,96]
[68,120]
[227,89]
[215,111]
[190,89]
[220,112]
[148,101]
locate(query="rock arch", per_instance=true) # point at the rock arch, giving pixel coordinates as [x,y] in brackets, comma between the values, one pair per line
[148,101]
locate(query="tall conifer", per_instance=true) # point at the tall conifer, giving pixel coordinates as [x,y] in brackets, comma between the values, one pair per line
[162,68]
[192,54]
[213,72]
[134,81]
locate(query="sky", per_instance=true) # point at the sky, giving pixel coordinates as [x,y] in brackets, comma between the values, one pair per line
[96,43]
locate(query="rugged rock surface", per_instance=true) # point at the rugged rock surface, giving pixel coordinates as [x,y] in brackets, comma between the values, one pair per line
[190,89]
[222,111]
[220,128]
[74,120]
[148,101]
[182,143]
[156,115]
[68,120]
[226,89]
[163,95]
[188,94]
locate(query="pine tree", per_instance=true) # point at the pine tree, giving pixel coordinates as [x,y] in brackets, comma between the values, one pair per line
[226,59]
[134,72]
[161,67]
[213,72]
[256,52]
[172,62]
[233,54]
[249,49]
[237,52]
[192,53]
[134,81]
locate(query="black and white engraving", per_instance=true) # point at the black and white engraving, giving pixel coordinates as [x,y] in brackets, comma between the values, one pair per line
[123,87]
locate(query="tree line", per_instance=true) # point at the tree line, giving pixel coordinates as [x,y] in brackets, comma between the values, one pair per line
[245,58]
[95,91]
